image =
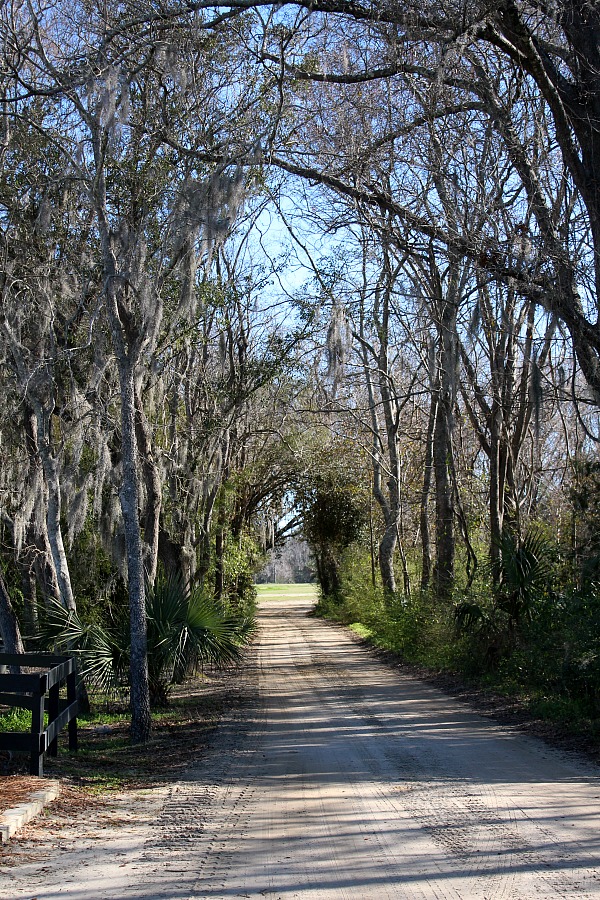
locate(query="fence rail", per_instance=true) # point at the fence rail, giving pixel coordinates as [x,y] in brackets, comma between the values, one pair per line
[39,691]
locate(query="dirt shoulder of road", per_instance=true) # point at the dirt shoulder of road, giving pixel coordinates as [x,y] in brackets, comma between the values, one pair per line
[315,770]
[107,763]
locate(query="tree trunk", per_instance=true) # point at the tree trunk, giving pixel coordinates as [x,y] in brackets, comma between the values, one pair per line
[153,489]
[170,555]
[29,589]
[425,491]
[50,561]
[9,626]
[387,547]
[59,557]
[444,507]
[139,686]
[442,433]
[496,498]
[384,439]
[328,572]
[127,345]
[404,562]
[372,546]
[219,553]
[44,566]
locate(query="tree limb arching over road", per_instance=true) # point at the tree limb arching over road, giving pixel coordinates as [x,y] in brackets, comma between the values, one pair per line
[342,778]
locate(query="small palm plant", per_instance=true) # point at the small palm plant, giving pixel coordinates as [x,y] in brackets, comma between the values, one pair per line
[186,629]
[525,572]
[521,578]
[102,648]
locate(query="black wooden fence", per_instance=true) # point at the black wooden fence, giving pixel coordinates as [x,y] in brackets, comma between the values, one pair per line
[39,691]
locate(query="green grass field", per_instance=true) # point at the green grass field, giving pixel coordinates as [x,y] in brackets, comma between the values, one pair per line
[287,592]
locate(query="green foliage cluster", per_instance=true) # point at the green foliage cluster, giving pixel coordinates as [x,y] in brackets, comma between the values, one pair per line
[15,719]
[187,629]
[517,630]
[584,496]
[334,517]
[420,628]
[241,559]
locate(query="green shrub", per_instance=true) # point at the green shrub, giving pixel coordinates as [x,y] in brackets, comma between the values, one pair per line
[515,634]
[15,719]
[186,629]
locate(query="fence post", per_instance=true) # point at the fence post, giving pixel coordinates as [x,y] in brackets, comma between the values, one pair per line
[29,690]
[53,710]
[71,698]
[36,763]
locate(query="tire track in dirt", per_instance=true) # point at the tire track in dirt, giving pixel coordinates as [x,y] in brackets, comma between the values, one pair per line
[366,789]
[420,797]
[329,761]
[461,818]
[377,778]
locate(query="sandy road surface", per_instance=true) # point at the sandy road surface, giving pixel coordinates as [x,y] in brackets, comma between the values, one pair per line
[342,779]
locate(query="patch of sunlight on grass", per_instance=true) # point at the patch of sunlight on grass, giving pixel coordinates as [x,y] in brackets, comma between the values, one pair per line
[361,630]
[286,591]
[15,719]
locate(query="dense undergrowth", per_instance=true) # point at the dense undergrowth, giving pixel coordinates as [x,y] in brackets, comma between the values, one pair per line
[189,634]
[187,629]
[540,647]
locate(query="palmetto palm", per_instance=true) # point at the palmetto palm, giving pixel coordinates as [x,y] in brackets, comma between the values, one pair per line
[186,629]
[525,570]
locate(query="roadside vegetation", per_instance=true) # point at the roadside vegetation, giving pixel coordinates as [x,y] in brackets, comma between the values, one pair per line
[329,269]
[528,635]
[108,761]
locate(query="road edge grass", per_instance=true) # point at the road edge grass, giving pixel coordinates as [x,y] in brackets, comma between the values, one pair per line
[273,590]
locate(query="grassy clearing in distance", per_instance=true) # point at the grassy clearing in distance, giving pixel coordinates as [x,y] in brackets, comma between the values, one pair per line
[287,591]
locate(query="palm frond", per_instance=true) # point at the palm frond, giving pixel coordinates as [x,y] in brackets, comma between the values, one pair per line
[525,572]
[185,629]
[103,659]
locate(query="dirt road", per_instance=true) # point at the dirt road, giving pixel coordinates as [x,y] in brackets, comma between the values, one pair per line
[342,779]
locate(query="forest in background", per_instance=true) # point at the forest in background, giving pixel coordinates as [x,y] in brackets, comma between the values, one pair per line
[329,268]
